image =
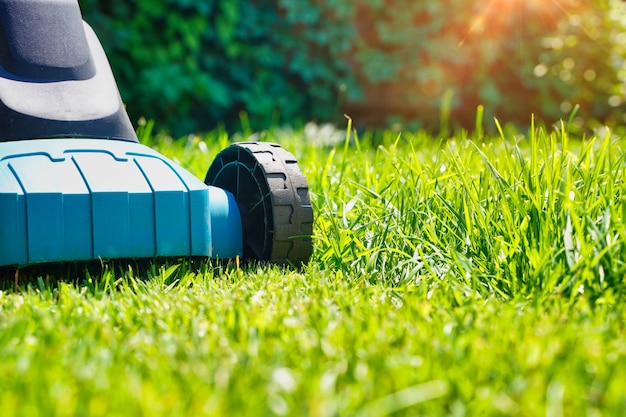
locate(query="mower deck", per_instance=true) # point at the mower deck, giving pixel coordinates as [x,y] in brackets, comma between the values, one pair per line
[76,199]
[75,184]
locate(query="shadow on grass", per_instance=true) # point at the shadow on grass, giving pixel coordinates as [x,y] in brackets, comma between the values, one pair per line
[92,273]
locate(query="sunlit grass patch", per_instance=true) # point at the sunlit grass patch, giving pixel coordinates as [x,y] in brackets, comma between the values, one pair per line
[465,276]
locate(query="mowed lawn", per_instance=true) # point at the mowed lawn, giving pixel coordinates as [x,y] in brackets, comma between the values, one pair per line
[459,277]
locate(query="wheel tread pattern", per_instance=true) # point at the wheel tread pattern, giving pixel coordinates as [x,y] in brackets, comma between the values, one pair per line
[290,243]
[292,223]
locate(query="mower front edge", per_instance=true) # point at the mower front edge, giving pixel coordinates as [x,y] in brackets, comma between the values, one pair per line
[76,199]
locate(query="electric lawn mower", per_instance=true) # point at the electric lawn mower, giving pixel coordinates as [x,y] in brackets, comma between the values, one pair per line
[76,185]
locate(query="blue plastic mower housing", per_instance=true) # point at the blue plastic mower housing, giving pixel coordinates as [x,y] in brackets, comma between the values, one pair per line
[75,184]
[77,199]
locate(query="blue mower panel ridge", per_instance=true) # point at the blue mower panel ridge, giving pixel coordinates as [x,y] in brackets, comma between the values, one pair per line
[76,199]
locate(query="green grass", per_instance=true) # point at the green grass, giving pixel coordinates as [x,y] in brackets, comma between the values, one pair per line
[449,278]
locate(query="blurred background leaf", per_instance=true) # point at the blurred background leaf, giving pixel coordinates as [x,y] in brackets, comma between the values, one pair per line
[193,65]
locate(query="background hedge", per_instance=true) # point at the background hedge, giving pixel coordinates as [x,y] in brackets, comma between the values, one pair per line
[192,65]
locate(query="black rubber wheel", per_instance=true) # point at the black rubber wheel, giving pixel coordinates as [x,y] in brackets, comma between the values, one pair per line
[273,199]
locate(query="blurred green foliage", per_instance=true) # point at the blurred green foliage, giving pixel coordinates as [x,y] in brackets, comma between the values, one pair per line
[514,57]
[191,65]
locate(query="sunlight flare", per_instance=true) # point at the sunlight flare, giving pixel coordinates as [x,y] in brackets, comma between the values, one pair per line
[498,17]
